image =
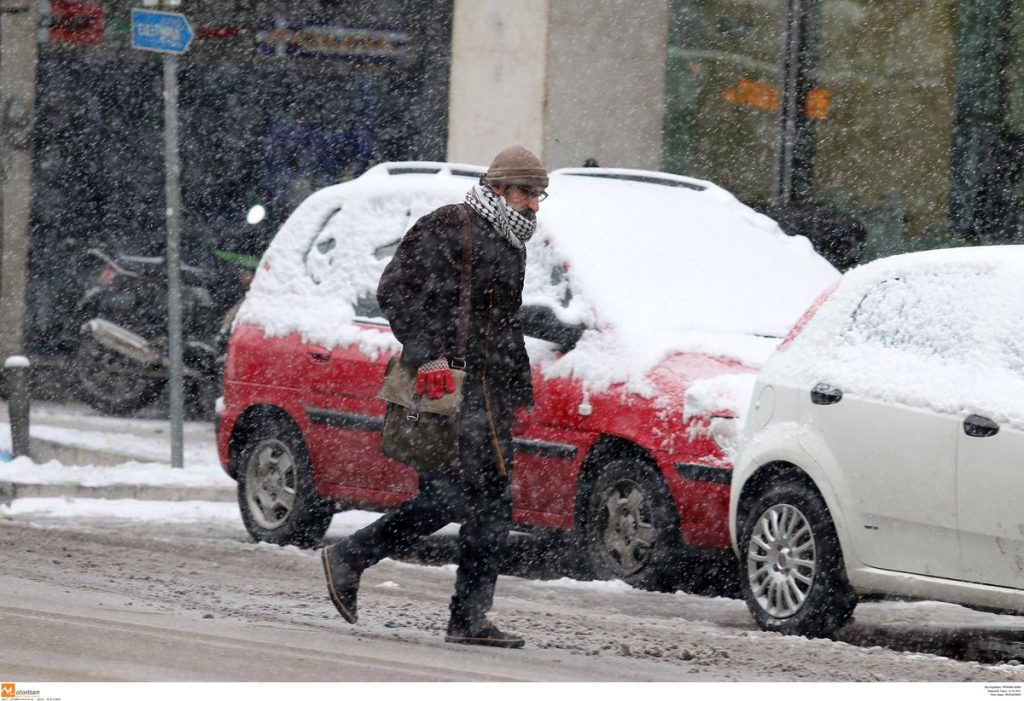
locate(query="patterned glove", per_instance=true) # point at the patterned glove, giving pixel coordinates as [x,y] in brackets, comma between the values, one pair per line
[435,378]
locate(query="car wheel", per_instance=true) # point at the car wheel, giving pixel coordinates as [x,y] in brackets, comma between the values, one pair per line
[275,490]
[793,576]
[630,527]
[113,384]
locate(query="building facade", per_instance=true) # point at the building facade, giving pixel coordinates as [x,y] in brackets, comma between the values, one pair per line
[570,80]
[881,125]
[901,120]
[276,100]
[910,113]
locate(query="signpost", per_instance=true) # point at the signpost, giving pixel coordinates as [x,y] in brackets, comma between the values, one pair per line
[170,34]
[166,32]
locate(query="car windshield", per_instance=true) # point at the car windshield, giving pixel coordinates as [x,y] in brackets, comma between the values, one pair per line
[677,259]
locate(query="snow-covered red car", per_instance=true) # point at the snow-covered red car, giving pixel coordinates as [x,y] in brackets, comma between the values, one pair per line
[682,292]
[883,449]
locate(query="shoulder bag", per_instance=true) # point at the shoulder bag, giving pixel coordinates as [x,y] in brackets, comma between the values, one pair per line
[420,432]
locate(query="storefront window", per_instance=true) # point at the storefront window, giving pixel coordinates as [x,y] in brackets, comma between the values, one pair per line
[722,92]
[879,147]
[276,100]
[986,198]
[881,129]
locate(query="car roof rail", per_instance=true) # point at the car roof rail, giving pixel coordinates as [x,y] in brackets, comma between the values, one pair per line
[463,170]
[641,176]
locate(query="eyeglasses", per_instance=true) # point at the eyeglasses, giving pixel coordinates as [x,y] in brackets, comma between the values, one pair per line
[541,195]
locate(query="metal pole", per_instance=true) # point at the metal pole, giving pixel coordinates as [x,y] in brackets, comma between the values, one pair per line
[173,185]
[794,149]
[16,373]
[18,42]
[789,105]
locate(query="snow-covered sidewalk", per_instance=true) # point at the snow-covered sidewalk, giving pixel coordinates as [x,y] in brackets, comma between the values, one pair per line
[76,453]
[144,494]
[120,468]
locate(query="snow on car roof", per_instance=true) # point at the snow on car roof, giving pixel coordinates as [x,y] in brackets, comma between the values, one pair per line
[674,264]
[937,330]
[668,263]
[693,259]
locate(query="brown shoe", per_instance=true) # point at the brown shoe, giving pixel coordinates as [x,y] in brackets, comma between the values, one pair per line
[481,633]
[342,583]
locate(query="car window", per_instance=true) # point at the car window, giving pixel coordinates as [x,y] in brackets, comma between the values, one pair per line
[547,277]
[344,252]
[321,251]
[559,278]
[367,309]
[925,313]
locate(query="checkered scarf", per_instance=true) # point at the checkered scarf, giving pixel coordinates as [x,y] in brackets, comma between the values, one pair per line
[516,228]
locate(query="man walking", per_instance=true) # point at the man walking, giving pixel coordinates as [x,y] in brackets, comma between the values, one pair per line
[419,295]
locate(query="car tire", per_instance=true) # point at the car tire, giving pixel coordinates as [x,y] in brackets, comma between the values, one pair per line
[792,573]
[630,528]
[276,496]
[111,383]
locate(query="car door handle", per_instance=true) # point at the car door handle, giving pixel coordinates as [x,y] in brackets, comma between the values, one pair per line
[320,355]
[978,426]
[825,394]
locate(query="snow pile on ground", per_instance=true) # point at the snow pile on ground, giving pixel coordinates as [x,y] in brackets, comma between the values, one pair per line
[125,443]
[938,330]
[650,269]
[144,445]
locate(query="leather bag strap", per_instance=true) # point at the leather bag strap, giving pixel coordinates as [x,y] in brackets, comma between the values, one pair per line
[465,282]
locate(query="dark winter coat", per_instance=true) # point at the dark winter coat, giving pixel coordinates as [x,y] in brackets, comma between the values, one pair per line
[419,295]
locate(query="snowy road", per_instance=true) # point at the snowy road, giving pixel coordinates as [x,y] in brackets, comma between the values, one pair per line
[101,598]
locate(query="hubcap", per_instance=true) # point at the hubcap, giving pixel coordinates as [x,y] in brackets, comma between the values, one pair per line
[270,483]
[781,560]
[628,533]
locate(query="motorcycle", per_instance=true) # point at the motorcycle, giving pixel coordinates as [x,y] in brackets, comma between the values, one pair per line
[122,359]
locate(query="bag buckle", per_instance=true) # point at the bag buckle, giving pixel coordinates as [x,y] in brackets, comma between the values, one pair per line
[458,363]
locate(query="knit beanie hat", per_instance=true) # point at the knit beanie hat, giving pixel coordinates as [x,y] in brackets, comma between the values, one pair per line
[517,166]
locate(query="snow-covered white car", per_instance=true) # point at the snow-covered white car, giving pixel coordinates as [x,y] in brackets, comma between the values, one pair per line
[682,290]
[884,447]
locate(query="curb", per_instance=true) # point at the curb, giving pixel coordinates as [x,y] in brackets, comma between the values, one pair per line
[9,491]
[43,451]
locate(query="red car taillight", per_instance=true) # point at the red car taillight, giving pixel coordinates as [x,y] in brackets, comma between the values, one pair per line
[808,315]
[106,276]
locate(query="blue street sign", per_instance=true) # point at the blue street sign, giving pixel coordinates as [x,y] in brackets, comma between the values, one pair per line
[167,32]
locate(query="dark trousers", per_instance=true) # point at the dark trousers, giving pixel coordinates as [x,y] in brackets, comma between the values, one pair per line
[472,493]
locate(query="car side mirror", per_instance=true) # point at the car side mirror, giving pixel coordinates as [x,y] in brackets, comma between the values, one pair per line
[540,322]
